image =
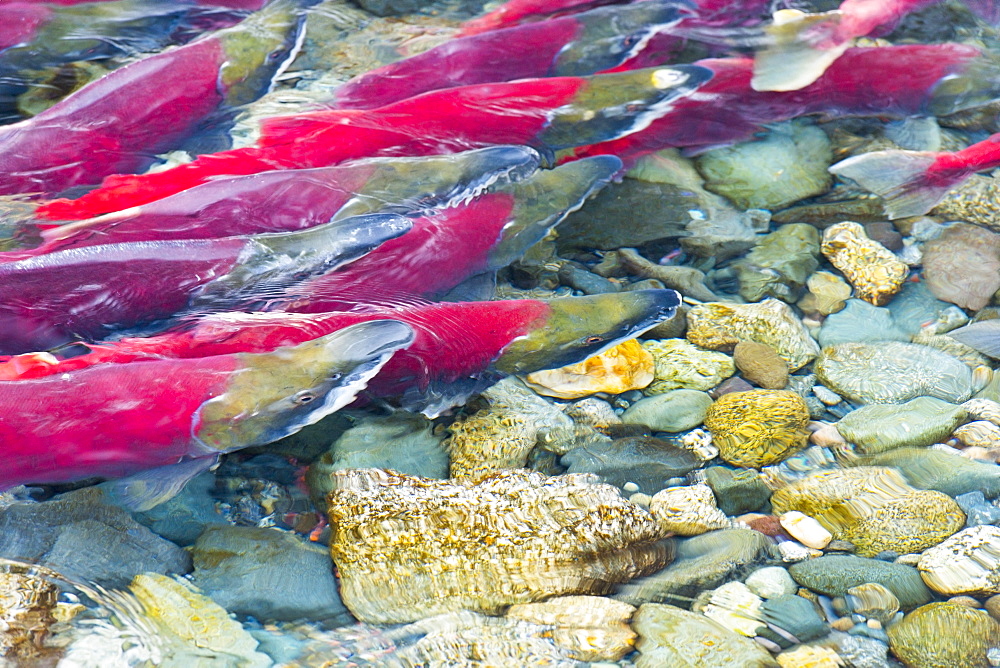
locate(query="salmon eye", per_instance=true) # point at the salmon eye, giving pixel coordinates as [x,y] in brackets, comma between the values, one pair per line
[594,339]
[303,398]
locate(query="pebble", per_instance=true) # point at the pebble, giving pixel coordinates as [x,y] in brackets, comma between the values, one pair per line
[737,491]
[771,581]
[827,294]
[673,411]
[780,263]
[761,365]
[873,270]
[687,511]
[681,365]
[860,322]
[759,427]
[962,266]
[966,563]
[977,510]
[918,422]
[645,463]
[627,366]
[806,530]
[833,575]
[944,635]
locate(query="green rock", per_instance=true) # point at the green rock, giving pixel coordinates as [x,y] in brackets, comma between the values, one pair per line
[780,264]
[646,462]
[673,411]
[703,562]
[881,427]
[682,365]
[833,575]
[932,469]
[858,322]
[671,636]
[786,166]
[737,491]
[944,635]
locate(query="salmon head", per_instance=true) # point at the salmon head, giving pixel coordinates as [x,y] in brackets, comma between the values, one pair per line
[259,49]
[273,395]
[579,327]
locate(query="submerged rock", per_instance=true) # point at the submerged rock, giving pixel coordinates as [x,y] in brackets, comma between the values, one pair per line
[720,326]
[759,427]
[646,462]
[944,635]
[874,270]
[737,491]
[672,411]
[761,365]
[834,575]
[926,468]
[627,366]
[29,596]
[962,266]
[860,322]
[247,571]
[409,547]
[687,511]
[589,628]
[780,264]
[880,427]
[966,563]
[681,365]
[827,293]
[83,537]
[670,636]
[893,372]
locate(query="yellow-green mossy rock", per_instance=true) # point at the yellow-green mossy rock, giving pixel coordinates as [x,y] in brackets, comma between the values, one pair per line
[759,427]
[670,636]
[874,508]
[944,635]
[682,365]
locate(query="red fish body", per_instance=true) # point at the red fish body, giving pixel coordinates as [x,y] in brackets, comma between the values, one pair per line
[515,12]
[252,5]
[20,21]
[114,420]
[913,182]
[289,200]
[458,348]
[89,292]
[894,81]
[571,45]
[554,112]
[117,123]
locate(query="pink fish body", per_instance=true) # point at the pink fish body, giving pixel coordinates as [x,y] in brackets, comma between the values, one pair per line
[19,21]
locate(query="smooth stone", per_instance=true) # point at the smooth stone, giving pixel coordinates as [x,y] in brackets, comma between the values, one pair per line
[687,511]
[81,536]
[944,635]
[875,272]
[833,575]
[780,263]
[794,615]
[966,563]
[787,165]
[671,636]
[771,581]
[701,562]
[977,510]
[915,306]
[737,491]
[759,427]
[646,462]
[761,365]
[576,276]
[859,322]
[926,468]
[620,369]
[919,422]
[962,266]
[827,293]
[681,365]
[673,411]
[183,518]
[267,574]
[893,372]
[590,628]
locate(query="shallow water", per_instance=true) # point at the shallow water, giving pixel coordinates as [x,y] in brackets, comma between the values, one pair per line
[782,453]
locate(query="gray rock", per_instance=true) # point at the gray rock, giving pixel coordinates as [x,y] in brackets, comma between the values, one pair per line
[82,536]
[860,321]
[267,574]
[737,491]
[834,575]
[673,411]
[977,509]
[649,463]
[925,468]
[183,518]
[880,427]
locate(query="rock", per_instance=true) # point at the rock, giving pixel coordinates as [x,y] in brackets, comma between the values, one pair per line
[915,306]
[195,628]
[687,511]
[646,462]
[893,372]
[733,606]
[962,266]
[880,427]
[183,518]
[966,563]
[401,441]
[780,264]
[724,234]
[737,491]
[720,326]
[83,537]
[507,537]
[759,427]
[874,271]
[873,508]
[926,468]
[686,280]
[873,601]
[860,322]
[833,575]
[794,615]
[502,435]
[670,636]
[971,357]
[761,365]
[591,412]
[827,293]
[806,530]
[680,365]
[788,164]
[944,635]
[590,628]
[29,596]
[771,581]
[624,367]
[578,277]
[978,434]
[810,656]
[884,233]
[702,562]
[246,570]
[672,411]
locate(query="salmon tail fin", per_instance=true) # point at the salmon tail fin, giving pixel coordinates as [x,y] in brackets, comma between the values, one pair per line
[900,178]
[801,46]
[984,336]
